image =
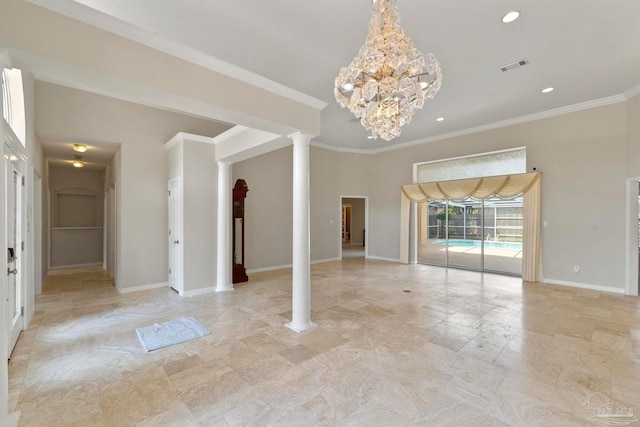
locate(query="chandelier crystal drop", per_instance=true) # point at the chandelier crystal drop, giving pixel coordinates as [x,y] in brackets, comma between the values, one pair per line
[389,79]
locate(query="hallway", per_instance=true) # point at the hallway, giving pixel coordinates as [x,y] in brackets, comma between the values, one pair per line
[395,345]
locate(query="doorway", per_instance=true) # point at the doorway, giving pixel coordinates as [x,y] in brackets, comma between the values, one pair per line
[353,226]
[14,203]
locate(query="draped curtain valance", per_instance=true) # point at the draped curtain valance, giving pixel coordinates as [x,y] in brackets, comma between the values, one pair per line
[478,188]
[505,186]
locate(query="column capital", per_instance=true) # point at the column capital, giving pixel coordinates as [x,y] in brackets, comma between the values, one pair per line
[224,163]
[300,136]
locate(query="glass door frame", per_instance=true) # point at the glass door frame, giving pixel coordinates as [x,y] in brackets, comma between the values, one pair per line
[482,206]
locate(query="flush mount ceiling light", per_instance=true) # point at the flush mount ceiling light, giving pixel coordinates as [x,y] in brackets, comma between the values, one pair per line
[389,79]
[80,148]
[511,16]
[547,90]
[78,163]
[439,119]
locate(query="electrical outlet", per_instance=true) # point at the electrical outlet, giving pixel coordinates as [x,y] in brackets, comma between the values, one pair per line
[576,268]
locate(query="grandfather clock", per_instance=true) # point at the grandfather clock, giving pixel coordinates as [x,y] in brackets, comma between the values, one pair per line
[239,194]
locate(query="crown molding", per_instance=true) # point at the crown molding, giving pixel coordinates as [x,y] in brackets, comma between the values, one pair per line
[88,15]
[635,90]
[496,125]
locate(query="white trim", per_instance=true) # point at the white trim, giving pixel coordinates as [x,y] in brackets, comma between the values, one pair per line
[123,29]
[318,144]
[64,267]
[366,223]
[14,419]
[583,286]
[510,122]
[286,266]
[630,93]
[201,291]
[272,268]
[380,258]
[182,136]
[490,126]
[142,288]
[237,129]
[322,261]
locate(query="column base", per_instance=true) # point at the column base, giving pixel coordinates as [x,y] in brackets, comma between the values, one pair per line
[300,328]
[225,289]
[14,419]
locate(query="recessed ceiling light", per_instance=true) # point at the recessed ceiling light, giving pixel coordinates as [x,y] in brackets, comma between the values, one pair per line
[370,137]
[547,90]
[439,119]
[511,16]
[80,148]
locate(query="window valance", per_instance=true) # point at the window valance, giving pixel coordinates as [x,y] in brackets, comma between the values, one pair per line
[479,188]
[505,186]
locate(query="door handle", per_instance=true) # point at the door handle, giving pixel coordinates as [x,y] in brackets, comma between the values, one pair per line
[10,271]
[176,242]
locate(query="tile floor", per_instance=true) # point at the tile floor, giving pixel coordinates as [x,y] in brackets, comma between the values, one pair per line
[395,345]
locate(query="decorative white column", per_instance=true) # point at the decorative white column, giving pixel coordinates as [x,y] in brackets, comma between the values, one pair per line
[224,282]
[301,284]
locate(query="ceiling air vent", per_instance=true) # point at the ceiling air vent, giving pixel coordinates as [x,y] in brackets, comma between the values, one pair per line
[516,64]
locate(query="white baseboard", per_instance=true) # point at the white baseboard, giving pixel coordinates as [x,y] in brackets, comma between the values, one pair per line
[263,269]
[63,267]
[142,287]
[197,292]
[283,267]
[583,286]
[322,261]
[379,258]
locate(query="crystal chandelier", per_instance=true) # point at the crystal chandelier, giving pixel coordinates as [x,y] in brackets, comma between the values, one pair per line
[389,79]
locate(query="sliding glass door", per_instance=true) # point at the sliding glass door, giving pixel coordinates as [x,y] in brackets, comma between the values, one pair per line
[464,239]
[481,235]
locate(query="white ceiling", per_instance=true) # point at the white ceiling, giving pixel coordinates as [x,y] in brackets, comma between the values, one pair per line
[588,50]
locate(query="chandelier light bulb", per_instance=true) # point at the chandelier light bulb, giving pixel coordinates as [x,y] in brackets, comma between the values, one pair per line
[389,79]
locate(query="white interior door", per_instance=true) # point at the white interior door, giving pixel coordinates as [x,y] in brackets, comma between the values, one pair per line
[175,236]
[15,248]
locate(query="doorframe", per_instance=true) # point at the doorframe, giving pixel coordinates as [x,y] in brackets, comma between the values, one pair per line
[631,271]
[366,223]
[36,224]
[12,144]
[178,260]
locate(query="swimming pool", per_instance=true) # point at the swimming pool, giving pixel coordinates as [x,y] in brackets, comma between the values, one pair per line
[476,244]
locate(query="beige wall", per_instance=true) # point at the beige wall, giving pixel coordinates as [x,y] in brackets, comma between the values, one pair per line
[268,208]
[582,156]
[143,172]
[633,137]
[200,216]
